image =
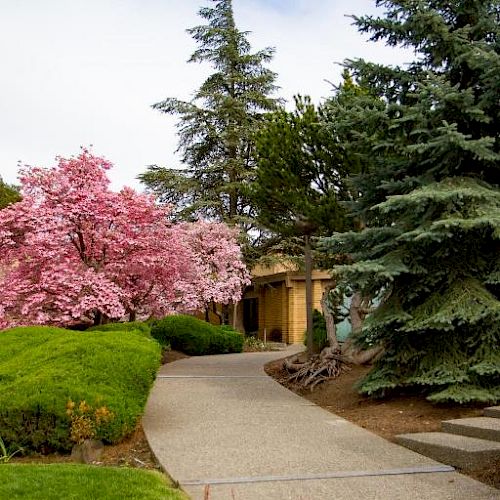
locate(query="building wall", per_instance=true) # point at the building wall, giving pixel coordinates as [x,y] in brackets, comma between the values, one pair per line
[271,317]
[283,308]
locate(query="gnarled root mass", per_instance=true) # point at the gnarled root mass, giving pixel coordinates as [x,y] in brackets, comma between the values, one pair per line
[328,364]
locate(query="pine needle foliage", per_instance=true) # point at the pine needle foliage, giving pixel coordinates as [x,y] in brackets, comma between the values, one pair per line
[216,126]
[300,176]
[430,201]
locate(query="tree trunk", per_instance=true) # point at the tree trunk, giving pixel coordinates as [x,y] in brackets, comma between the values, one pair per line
[356,314]
[132,316]
[331,329]
[235,312]
[217,313]
[358,310]
[98,318]
[309,312]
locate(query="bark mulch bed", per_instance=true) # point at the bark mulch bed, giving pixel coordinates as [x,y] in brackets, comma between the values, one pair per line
[388,417]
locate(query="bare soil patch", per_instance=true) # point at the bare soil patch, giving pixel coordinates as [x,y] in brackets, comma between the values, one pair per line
[388,417]
[133,451]
[170,356]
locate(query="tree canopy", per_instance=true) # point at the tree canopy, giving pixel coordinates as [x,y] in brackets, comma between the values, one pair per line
[74,251]
[300,177]
[8,194]
[430,201]
[216,126]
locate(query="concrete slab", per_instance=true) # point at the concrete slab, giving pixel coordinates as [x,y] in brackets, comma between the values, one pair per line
[443,486]
[492,411]
[478,427]
[453,449]
[227,364]
[232,428]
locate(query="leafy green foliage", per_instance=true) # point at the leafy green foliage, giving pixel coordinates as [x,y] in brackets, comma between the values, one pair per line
[196,337]
[429,201]
[320,338]
[39,482]
[216,127]
[8,194]
[41,368]
[300,177]
[5,455]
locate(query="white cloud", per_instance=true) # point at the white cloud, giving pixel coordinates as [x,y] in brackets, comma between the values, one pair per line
[86,71]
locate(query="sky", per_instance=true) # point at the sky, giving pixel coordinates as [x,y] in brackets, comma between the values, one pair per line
[86,72]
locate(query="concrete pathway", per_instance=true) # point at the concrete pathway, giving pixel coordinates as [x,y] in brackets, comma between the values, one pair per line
[221,421]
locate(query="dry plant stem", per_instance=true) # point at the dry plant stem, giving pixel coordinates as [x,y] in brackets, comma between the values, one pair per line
[206,492]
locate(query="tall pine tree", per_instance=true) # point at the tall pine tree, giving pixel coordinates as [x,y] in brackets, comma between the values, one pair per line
[430,201]
[216,127]
[299,181]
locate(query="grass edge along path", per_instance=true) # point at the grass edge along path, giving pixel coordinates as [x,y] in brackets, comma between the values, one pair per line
[71,481]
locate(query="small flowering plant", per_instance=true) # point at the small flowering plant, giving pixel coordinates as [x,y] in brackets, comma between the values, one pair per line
[85,420]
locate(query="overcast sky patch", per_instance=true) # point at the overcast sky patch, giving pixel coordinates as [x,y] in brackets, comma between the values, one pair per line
[85,72]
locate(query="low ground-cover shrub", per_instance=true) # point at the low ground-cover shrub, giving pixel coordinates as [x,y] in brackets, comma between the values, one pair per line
[41,482]
[42,369]
[131,326]
[320,336]
[254,344]
[196,337]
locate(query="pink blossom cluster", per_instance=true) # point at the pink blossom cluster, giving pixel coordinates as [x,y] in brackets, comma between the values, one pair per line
[73,250]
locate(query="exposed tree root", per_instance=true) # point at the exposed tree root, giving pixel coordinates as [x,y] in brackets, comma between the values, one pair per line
[321,367]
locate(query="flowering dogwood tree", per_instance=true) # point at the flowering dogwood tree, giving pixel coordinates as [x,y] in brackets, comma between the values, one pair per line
[72,250]
[220,275]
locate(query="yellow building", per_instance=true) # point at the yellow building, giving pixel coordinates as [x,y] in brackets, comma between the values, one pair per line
[274,306]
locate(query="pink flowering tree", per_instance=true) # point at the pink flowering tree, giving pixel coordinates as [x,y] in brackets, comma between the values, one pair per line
[221,271]
[74,251]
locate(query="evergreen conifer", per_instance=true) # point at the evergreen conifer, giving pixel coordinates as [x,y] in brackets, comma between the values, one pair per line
[216,126]
[430,201]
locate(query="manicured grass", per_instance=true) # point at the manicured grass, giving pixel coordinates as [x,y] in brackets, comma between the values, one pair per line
[130,326]
[42,368]
[77,482]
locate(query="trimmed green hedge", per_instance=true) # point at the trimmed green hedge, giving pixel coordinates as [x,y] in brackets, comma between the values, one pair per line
[42,368]
[196,337]
[131,326]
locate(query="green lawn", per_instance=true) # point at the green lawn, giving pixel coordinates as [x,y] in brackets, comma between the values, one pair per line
[56,481]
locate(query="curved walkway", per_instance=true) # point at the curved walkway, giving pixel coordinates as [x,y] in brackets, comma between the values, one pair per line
[221,421]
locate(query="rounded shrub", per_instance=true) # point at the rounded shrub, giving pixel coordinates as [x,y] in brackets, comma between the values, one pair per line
[184,333]
[196,337]
[131,326]
[44,369]
[229,340]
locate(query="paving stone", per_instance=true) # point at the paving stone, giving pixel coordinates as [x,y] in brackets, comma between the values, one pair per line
[492,411]
[218,423]
[452,449]
[478,427]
